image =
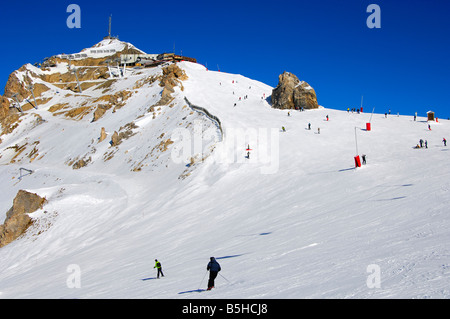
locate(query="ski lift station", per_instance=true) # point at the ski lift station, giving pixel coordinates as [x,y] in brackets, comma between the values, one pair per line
[133,59]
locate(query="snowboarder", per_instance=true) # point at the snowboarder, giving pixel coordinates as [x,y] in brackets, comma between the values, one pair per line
[444,141]
[214,268]
[159,267]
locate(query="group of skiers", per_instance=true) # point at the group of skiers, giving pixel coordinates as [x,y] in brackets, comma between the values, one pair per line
[213,267]
[423,143]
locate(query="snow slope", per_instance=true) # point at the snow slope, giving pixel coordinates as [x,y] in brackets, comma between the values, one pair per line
[295,220]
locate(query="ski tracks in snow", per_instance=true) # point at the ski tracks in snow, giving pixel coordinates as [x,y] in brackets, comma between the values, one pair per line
[298,249]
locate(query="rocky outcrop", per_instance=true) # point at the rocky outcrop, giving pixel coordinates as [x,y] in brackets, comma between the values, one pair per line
[8,117]
[102,135]
[172,76]
[17,220]
[4,107]
[115,140]
[115,101]
[291,93]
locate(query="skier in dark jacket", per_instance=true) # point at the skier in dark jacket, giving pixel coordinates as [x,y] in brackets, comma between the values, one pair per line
[214,268]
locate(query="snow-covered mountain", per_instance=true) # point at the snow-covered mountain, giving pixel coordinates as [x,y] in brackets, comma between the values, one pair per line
[171,179]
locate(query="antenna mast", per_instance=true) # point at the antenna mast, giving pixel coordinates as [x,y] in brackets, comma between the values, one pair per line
[109,30]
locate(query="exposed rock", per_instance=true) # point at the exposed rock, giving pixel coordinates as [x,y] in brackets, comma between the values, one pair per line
[172,76]
[14,85]
[17,220]
[99,112]
[291,93]
[8,118]
[81,163]
[102,135]
[4,107]
[115,140]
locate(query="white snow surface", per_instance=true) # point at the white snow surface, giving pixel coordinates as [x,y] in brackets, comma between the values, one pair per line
[309,227]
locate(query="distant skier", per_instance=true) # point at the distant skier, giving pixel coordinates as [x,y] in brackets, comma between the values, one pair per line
[426,144]
[283,129]
[444,141]
[159,267]
[309,126]
[327,117]
[421,143]
[364,159]
[429,127]
[318,130]
[214,268]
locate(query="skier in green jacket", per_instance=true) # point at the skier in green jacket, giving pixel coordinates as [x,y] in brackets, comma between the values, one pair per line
[159,267]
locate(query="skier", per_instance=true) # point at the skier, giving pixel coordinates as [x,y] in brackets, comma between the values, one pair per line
[327,117]
[318,130]
[364,159]
[309,126]
[283,129]
[214,268]
[444,141]
[421,143]
[159,267]
[426,144]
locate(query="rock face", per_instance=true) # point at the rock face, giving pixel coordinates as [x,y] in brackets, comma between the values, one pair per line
[102,135]
[4,107]
[17,220]
[172,76]
[291,93]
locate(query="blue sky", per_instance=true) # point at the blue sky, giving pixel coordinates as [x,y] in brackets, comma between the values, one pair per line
[403,66]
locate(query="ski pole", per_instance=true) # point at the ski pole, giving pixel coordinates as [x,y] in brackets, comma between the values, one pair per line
[223,277]
[202,279]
